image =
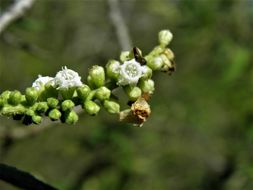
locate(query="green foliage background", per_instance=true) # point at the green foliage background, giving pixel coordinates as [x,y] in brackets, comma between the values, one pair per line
[200,133]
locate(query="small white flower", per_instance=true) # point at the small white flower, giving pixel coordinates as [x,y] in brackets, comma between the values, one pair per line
[130,72]
[67,78]
[39,83]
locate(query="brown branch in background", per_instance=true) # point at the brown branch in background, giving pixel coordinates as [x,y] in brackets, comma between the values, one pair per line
[119,25]
[14,12]
[22,179]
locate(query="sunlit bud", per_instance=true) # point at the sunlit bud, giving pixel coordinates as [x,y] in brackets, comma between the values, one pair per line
[40,107]
[31,95]
[96,76]
[67,105]
[165,36]
[147,72]
[133,93]
[125,56]
[103,93]
[54,114]
[15,98]
[155,63]
[52,102]
[5,95]
[91,107]
[147,86]
[67,93]
[83,92]
[112,69]
[169,54]
[111,106]
[36,119]
[155,52]
[71,117]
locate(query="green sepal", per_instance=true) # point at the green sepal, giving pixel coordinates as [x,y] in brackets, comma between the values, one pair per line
[14,98]
[31,95]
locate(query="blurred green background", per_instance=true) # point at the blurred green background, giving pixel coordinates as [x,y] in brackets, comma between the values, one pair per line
[200,133]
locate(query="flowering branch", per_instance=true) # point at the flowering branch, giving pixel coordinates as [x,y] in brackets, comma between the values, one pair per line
[14,12]
[56,97]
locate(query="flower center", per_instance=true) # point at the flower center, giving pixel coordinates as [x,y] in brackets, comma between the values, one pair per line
[132,70]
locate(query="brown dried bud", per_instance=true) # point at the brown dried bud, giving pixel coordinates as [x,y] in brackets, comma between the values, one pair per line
[138,114]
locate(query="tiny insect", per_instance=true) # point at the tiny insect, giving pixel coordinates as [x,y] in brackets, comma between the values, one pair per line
[138,57]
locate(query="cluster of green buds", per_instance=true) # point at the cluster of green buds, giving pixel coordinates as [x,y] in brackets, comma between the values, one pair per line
[57,97]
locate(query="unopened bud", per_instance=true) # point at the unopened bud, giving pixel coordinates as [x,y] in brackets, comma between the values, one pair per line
[40,107]
[156,63]
[14,98]
[83,92]
[112,69]
[103,93]
[169,54]
[8,110]
[165,36]
[54,114]
[91,107]
[96,76]
[133,93]
[36,119]
[31,95]
[111,106]
[52,102]
[147,86]
[71,117]
[5,95]
[125,56]
[67,105]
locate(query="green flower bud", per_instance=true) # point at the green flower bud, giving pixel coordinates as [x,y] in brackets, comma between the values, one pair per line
[148,73]
[14,98]
[96,76]
[5,95]
[67,105]
[156,63]
[31,95]
[9,110]
[71,117]
[52,102]
[103,93]
[83,92]
[112,69]
[54,114]
[91,107]
[40,107]
[133,93]
[111,106]
[165,36]
[36,119]
[125,55]
[147,86]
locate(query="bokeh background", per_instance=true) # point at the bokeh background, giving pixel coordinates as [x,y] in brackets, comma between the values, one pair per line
[200,133]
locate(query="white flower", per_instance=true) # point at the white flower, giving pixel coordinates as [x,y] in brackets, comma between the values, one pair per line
[67,78]
[130,72]
[39,83]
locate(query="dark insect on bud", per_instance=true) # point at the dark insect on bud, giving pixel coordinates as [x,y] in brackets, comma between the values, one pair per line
[138,57]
